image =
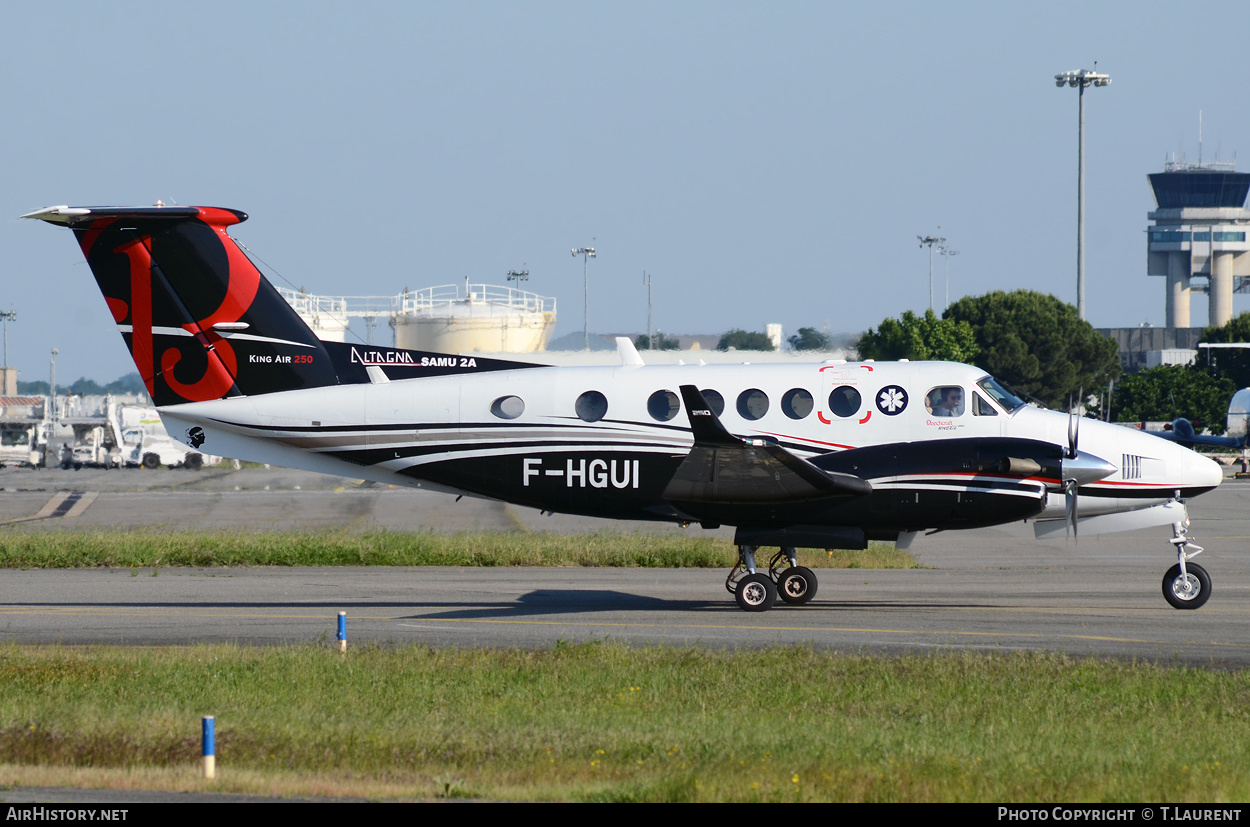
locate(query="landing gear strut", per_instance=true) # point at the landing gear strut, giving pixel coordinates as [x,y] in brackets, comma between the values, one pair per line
[756,592]
[1186,585]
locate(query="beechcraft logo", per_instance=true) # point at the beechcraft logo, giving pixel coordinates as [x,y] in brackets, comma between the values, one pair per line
[891,400]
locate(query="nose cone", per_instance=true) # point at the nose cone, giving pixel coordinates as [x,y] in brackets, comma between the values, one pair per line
[1200,474]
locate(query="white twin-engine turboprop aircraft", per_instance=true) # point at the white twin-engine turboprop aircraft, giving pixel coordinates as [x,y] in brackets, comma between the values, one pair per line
[827,455]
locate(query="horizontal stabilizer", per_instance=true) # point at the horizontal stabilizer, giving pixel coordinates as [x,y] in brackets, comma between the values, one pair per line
[69,216]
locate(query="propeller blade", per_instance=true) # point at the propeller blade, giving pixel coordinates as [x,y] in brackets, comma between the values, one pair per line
[1069,507]
[1074,432]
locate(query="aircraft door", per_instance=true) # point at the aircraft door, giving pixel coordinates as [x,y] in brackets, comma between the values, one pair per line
[986,419]
[844,402]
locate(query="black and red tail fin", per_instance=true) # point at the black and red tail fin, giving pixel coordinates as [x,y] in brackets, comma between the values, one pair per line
[200,320]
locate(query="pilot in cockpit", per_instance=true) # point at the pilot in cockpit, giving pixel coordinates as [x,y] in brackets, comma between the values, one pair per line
[947,401]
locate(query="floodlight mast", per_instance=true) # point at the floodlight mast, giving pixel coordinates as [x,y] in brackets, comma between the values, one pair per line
[587,253]
[52,384]
[1080,80]
[930,241]
[947,252]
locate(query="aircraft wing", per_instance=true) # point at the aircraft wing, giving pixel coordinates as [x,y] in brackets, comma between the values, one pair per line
[723,468]
[1183,431]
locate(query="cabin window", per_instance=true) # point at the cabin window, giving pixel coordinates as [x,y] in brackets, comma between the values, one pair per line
[945,401]
[797,403]
[591,406]
[714,400]
[663,405]
[980,407]
[508,407]
[844,401]
[752,404]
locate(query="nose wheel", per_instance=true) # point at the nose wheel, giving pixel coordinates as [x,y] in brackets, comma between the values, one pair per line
[1186,585]
[755,591]
[1188,589]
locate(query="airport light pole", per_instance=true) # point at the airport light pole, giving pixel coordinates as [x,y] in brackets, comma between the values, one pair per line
[1080,80]
[518,276]
[930,241]
[947,252]
[587,253]
[646,278]
[52,383]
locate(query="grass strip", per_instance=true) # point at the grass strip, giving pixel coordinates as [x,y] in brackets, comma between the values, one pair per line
[122,549]
[606,722]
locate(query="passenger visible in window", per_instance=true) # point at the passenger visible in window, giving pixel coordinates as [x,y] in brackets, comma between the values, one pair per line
[947,401]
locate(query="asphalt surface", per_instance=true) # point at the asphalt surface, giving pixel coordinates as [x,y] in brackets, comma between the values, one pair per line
[990,589]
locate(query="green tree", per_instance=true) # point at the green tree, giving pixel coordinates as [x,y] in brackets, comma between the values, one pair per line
[809,338]
[743,340]
[38,387]
[130,383]
[86,387]
[1037,344]
[1166,392]
[662,342]
[1233,363]
[919,337]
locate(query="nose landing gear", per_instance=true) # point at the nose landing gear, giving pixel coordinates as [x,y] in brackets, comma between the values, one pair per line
[1186,585]
[756,592]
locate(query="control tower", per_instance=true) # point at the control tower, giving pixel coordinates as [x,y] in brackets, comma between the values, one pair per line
[1199,232]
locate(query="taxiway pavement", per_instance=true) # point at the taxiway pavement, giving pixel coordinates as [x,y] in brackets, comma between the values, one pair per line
[986,590]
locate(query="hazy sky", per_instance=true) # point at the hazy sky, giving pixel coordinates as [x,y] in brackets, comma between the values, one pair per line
[765,162]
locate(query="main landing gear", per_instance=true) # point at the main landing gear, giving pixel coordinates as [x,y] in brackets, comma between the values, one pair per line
[1186,585]
[756,592]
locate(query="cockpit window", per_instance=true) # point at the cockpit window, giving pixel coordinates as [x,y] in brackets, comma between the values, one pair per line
[980,407]
[947,400]
[1010,402]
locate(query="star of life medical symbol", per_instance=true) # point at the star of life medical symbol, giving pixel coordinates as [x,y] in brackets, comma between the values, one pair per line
[891,400]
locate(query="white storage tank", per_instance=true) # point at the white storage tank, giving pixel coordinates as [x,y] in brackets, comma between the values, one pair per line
[483,318]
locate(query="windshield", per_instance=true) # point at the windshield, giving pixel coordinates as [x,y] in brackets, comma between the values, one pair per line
[1010,402]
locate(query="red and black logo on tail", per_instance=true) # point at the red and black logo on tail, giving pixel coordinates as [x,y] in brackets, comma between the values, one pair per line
[200,320]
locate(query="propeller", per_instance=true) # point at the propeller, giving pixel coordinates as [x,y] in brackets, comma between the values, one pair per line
[1070,484]
[1069,508]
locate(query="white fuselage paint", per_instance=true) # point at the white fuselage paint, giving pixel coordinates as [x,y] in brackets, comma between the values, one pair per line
[455,411]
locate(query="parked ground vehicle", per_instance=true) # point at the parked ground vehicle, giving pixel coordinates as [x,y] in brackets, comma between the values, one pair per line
[118,433]
[22,430]
[145,442]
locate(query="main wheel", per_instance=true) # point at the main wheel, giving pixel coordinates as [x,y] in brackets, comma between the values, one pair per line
[151,462]
[1187,592]
[755,593]
[797,585]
